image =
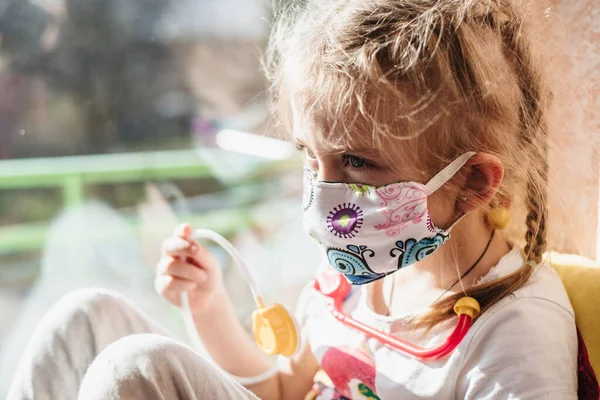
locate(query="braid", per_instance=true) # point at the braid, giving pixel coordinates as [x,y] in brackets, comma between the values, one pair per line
[536,225]
[534,130]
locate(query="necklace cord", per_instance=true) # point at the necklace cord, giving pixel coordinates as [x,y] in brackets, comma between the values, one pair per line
[487,246]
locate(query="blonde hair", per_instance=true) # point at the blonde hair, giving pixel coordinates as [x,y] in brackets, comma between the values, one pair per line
[438,77]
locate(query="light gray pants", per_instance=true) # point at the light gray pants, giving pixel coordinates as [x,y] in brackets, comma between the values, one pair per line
[94,344]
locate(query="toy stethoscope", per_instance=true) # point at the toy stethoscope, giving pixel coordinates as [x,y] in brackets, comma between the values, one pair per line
[276,332]
[333,285]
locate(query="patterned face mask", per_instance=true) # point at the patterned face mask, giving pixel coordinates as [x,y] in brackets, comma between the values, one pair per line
[369,232]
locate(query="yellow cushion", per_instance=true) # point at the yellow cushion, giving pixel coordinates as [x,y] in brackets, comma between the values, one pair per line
[581,277]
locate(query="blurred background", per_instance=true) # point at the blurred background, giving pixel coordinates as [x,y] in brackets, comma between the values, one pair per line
[120,119]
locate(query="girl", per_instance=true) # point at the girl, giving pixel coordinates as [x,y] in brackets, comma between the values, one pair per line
[381,95]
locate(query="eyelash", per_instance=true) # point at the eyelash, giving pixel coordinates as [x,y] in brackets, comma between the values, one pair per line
[347,158]
[366,164]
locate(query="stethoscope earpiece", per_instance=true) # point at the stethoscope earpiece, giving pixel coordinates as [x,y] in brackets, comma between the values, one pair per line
[275,330]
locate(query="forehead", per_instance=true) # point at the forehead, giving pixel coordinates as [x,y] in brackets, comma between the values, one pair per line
[315,130]
[359,137]
[323,137]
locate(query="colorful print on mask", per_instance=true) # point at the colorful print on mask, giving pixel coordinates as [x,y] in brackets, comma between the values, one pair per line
[369,232]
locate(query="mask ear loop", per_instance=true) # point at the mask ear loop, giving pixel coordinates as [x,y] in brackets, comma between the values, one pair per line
[445,175]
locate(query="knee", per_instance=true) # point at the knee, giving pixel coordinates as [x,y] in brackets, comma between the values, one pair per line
[73,331]
[134,351]
[137,366]
[80,305]
[88,298]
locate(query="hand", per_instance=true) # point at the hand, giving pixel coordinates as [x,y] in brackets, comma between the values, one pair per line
[186,267]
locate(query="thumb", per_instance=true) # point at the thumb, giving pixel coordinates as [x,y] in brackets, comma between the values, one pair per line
[183,231]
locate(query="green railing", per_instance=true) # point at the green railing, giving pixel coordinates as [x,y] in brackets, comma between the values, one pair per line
[72,174]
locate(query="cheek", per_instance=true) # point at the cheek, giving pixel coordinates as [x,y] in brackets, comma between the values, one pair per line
[441,207]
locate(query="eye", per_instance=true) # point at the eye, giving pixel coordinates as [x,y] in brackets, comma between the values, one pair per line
[357,162]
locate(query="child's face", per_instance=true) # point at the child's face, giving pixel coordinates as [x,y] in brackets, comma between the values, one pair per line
[364,165]
[359,164]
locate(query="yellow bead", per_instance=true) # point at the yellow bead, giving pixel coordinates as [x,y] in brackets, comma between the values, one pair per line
[468,306]
[499,217]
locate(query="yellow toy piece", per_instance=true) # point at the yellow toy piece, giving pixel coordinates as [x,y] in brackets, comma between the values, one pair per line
[275,331]
[499,217]
[320,379]
[467,306]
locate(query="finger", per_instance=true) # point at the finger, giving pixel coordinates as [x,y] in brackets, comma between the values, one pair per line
[183,231]
[169,284]
[205,259]
[182,270]
[179,247]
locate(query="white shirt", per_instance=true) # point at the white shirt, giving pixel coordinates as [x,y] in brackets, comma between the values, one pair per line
[524,347]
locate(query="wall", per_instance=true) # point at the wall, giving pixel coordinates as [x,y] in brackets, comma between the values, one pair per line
[572,34]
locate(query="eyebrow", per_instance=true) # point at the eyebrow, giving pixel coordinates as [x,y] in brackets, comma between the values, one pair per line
[298,143]
[363,153]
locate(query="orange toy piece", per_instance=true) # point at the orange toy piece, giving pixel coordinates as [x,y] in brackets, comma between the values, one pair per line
[275,331]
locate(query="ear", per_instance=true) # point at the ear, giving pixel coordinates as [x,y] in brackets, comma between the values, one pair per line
[483,176]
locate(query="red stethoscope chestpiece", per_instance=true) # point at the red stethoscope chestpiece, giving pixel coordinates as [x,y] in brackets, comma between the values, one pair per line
[333,285]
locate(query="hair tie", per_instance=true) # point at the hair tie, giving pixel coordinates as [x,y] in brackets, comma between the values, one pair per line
[532,263]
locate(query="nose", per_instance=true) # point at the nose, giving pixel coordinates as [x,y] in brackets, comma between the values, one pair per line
[329,172]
